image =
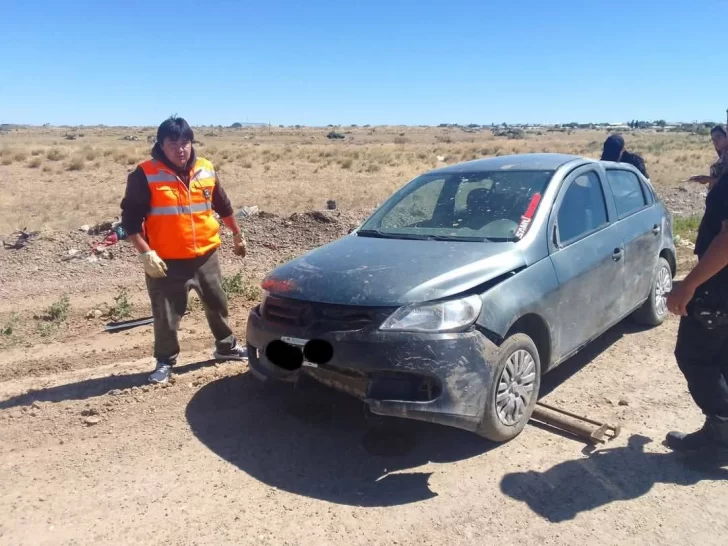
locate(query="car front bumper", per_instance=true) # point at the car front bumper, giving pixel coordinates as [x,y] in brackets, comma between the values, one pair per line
[440,378]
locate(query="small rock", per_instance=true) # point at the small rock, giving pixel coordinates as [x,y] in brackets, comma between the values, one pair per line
[90,411]
[331,204]
[35,405]
[92,420]
[623,402]
[115,392]
[247,212]
[16,415]
[95,314]
[85,228]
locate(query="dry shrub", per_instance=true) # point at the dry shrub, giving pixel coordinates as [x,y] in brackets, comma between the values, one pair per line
[90,154]
[247,165]
[401,140]
[35,163]
[37,152]
[346,163]
[7,161]
[47,168]
[20,156]
[55,154]
[76,164]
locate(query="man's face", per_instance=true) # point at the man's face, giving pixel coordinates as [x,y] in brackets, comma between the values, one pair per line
[720,141]
[177,151]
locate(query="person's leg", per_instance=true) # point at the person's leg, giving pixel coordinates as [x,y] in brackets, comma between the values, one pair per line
[169,302]
[700,354]
[214,301]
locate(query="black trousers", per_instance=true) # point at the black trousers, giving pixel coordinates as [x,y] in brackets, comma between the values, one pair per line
[702,355]
[169,302]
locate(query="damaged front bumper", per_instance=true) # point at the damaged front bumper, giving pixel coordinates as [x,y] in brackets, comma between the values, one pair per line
[440,378]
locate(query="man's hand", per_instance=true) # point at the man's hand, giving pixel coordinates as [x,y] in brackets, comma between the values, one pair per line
[154,266]
[240,245]
[701,179]
[679,297]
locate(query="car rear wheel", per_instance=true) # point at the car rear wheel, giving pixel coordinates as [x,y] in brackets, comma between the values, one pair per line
[513,393]
[654,310]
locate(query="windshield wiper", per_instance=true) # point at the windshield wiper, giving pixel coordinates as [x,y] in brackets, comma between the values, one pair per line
[383,235]
[457,238]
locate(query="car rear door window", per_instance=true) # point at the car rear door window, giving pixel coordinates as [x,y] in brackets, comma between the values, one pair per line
[583,209]
[627,190]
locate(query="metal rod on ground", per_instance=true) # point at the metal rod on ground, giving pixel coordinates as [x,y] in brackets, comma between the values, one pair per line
[575,424]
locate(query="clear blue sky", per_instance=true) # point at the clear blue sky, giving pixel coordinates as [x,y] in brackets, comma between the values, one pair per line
[412,62]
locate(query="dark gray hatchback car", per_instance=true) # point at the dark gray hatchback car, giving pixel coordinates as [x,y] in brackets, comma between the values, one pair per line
[457,294]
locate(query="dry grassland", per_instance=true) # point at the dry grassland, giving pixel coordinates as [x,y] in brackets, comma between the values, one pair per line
[49,182]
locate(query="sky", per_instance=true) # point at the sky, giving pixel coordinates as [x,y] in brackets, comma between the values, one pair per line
[409,62]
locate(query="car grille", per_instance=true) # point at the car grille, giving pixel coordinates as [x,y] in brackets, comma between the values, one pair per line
[323,317]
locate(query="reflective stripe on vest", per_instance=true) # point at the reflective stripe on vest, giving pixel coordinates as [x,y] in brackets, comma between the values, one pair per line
[180,223]
[169,211]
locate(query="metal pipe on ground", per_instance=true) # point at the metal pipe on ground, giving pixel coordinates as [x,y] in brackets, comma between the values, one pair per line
[593,431]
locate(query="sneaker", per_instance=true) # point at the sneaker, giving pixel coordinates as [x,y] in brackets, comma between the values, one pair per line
[238,352]
[161,373]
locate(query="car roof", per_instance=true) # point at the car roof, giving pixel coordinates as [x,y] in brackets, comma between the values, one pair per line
[516,162]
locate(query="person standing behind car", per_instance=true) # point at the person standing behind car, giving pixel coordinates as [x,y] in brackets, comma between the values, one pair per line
[167,212]
[614,151]
[701,301]
[719,136]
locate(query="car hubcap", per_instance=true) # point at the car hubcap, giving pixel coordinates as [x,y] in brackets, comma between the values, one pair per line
[515,387]
[663,286]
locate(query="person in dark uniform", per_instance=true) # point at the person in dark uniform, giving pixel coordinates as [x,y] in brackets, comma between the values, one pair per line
[701,301]
[614,151]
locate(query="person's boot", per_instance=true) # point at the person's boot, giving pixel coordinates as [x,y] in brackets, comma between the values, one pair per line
[713,435]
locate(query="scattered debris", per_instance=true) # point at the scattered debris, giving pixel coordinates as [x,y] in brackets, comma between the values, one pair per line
[247,212]
[22,239]
[128,324]
[92,420]
[95,314]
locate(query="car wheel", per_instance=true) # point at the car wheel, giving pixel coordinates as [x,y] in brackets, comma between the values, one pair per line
[654,310]
[513,393]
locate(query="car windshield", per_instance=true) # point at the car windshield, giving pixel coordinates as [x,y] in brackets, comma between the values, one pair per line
[474,206]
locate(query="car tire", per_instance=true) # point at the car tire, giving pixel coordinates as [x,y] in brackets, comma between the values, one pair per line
[518,368]
[652,314]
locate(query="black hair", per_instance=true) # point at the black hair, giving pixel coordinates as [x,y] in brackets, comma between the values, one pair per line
[613,146]
[174,128]
[719,129]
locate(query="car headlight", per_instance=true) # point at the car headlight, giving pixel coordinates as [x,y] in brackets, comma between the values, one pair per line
[445,316]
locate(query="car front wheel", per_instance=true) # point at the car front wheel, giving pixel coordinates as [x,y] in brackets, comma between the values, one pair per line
[513,392]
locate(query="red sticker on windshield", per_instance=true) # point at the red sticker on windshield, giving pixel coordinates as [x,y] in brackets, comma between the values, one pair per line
[527,216]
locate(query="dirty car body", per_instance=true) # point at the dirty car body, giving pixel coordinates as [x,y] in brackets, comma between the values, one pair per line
[453,298]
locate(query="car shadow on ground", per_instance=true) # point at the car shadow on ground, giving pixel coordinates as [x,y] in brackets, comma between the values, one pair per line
[90,388]
[313,441]
[605,476]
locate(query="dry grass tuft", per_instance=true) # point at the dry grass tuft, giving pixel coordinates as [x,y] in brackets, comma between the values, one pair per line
[76,164]
[35,163]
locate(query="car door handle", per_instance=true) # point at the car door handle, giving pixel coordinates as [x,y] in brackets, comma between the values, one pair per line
[617,254]
[656,229]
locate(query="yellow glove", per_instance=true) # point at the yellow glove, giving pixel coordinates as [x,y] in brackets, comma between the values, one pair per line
[153,265]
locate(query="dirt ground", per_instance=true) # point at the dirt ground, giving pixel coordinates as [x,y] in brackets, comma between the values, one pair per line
[90,454]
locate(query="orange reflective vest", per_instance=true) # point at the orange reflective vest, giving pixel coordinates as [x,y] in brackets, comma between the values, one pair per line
[180,223]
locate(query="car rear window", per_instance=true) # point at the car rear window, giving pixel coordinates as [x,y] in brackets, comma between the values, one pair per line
[627,190]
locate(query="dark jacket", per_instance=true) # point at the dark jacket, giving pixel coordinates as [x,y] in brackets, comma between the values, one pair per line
[636,160]
[136,202]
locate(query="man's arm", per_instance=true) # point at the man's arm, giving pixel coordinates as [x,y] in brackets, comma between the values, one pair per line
[135,207]
[221,204]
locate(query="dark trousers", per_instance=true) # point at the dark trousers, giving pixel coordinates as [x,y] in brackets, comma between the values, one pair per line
[702,356]
[169,302]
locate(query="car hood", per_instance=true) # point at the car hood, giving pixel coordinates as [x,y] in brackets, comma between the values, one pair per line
[368,271]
